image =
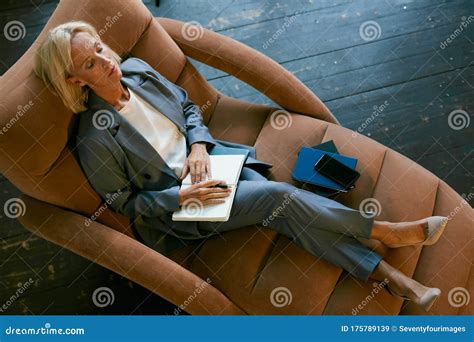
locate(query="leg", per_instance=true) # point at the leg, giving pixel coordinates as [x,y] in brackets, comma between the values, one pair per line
[341,250]
[322,226]
[250,174]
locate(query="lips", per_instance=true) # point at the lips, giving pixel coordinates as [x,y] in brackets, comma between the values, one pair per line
[112,71]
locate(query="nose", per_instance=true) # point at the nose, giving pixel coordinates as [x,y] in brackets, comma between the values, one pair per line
[107,64]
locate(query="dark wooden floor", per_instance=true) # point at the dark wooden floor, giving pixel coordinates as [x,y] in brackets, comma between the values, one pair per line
[405,70]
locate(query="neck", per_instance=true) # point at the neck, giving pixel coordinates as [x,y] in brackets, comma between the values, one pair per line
[115,95]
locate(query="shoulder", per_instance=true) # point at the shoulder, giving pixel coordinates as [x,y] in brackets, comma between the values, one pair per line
[136,65]
[89,132]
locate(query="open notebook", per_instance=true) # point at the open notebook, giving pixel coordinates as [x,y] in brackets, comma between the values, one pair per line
[223,167]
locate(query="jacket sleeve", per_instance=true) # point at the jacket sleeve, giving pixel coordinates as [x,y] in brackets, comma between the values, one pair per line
[195,128]
[109,180]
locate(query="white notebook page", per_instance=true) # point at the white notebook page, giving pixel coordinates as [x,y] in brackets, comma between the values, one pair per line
[223,167]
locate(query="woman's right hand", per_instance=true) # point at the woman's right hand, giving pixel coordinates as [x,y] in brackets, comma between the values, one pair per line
[204,192]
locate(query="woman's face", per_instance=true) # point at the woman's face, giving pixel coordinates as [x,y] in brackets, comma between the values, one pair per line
[93,64]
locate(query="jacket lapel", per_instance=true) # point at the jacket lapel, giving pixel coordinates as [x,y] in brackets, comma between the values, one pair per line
[158,96]
[128,137]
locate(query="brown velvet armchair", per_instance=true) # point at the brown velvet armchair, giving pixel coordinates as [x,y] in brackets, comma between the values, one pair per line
[246,266]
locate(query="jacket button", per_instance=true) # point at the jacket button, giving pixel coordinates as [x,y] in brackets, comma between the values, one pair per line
[147,176]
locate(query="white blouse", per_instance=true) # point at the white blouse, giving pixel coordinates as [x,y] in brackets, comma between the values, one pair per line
[158,130]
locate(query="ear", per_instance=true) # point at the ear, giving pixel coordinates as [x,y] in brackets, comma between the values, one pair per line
[76,81]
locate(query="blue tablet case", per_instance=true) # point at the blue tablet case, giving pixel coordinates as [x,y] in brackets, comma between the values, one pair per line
[304,168]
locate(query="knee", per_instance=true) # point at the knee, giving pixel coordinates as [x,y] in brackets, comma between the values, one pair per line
[282,190]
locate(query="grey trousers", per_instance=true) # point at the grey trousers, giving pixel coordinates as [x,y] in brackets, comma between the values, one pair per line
[323,227]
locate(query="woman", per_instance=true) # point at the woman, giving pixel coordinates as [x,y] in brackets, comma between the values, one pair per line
[154,137]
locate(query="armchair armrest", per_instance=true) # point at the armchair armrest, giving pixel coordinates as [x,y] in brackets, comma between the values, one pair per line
[250,66]
[125,256]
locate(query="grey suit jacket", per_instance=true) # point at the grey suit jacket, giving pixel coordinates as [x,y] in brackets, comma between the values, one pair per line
[124,169]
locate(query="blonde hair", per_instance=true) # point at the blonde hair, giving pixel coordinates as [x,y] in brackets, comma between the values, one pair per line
[54,63]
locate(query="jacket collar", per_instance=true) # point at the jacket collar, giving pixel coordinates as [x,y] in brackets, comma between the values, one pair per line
[123,131]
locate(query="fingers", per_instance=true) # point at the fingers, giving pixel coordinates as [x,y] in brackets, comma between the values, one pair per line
[207,194]
[192,167]
[202,172]
[208,168]
[198,171]
[214,201]
[214,195]
[185,170]
[209,183]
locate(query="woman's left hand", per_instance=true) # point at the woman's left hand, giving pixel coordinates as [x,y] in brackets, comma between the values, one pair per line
[198,162]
